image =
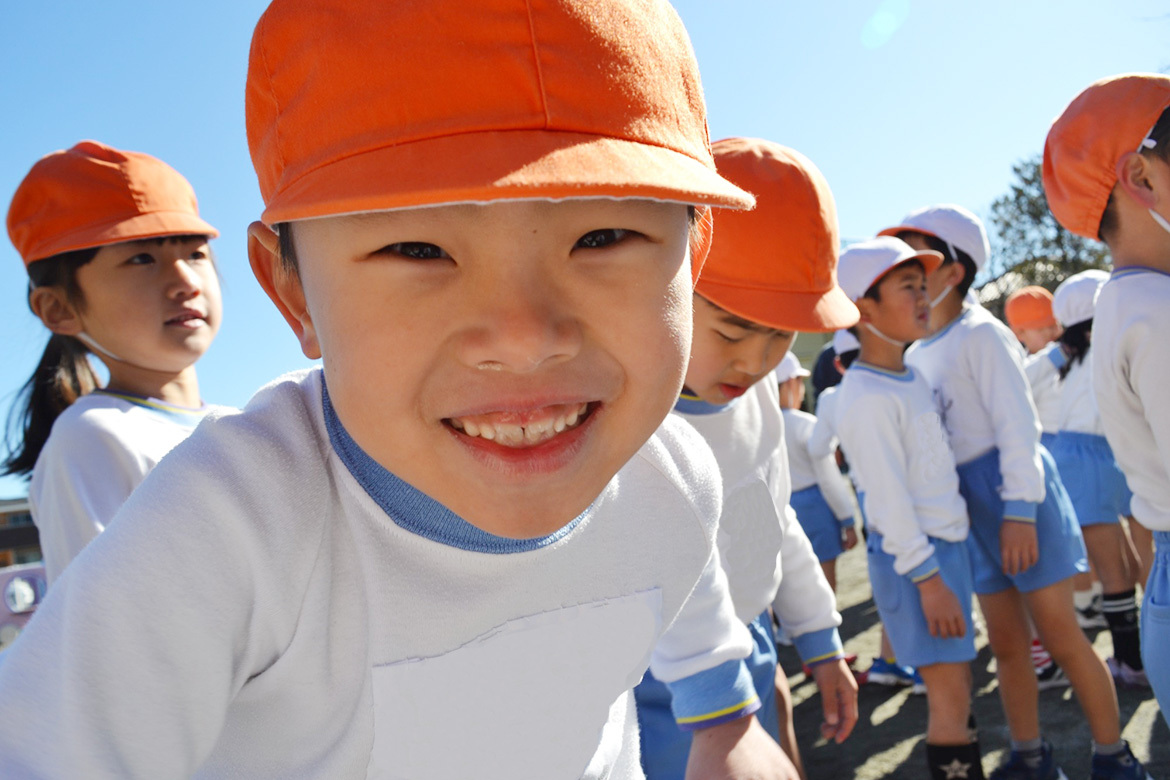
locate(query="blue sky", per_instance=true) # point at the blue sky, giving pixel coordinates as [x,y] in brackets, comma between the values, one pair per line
[901,103]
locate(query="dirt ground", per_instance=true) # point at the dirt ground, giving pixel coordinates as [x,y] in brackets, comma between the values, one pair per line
[888,742]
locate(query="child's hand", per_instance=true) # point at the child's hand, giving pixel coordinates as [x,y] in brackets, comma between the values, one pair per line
[738,750]
[1017,546]
[943,613]
[849,538]
[838,698]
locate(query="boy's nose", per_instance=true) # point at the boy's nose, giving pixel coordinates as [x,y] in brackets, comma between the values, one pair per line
[751,359]
[521,325]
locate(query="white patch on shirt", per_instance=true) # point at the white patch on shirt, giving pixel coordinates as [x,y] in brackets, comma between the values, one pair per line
[933,449]
[529,698]
[750,538]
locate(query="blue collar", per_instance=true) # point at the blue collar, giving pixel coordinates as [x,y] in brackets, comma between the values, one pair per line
[184,415]
[415,511]
[905,375]
[1133,270]
[690,404]
[936,336]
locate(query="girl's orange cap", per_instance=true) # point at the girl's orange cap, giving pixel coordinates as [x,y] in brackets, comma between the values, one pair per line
[777,265]
[1029,307]
[1111,117]
[94,195]
[355,107]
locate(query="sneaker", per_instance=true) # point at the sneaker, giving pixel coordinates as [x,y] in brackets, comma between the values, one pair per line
[1051,676]
[1017,769]
[1121,766]
[1091,618]
[1125,675]
[882,672]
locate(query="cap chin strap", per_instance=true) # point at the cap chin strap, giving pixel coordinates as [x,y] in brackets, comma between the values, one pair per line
[88,341]
[939,299]
[870,327]
[1160,220]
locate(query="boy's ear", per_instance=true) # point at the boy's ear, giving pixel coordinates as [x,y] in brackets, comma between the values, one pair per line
[282,286]
[53,308]
[1133,176]
[865,307]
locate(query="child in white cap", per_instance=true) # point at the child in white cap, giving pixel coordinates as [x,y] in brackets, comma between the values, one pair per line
[1025,542]
[1106,162]
[917,521]
[820,495]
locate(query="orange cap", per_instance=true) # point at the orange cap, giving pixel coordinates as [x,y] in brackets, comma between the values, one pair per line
[1029,307]
[93,195]
[777,265]
[1111,117]
[355,107]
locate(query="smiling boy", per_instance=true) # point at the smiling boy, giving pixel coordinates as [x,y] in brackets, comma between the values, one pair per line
[427,558]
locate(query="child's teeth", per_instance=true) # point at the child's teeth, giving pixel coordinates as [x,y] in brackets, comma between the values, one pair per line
[513,435]
[572,418]
[487,431]
[471,428]
[559,424]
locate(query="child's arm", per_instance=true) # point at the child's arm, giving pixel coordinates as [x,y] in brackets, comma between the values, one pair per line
[738,750]
[1044,366]
[941,607]
[1006,395]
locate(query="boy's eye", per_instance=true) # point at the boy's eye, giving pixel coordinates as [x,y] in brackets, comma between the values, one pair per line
[197,255]
[731,339]
[418,250]
[142,258]
[596,239]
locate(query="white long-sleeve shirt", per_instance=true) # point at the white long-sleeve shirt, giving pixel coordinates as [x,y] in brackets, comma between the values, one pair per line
[1078,404]
[974,366]
[1043,372]
[898,449]
[273,603]
[98,451]
[766,554]
[806,470]
[1131,373]
[823,439]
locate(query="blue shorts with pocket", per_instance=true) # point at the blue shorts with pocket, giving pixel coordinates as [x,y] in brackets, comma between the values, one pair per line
[1095,484]
[1059,540]
[900,606]
[1156,622]
[819,523]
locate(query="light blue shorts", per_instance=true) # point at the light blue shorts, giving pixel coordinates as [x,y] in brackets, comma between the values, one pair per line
[1047,440]
[900,606]
[1061,545]
[1156,623]
[665,747]
[819,523]
[1095,484]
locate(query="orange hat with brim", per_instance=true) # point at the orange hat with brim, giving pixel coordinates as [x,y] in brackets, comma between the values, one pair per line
[93,195]
[1110,118]
[369,107]
[1029,307]
[777,264]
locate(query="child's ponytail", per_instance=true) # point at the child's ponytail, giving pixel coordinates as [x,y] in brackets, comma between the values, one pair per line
[1075,342]
[63,375]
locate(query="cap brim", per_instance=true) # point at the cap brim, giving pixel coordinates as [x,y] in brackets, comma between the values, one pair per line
[807,312]
[928,258]
[894,231]
[501,165]
[153,225]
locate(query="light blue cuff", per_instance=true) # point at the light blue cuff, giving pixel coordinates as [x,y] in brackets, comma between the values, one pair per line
[714,696]
[1020,511]
[924,571]
[816,647]
[1058,358]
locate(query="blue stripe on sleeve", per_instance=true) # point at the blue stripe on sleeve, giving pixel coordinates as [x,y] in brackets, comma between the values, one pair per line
[924,570]
[714,696]
[816,647]
[1057,357]
[1020,511]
